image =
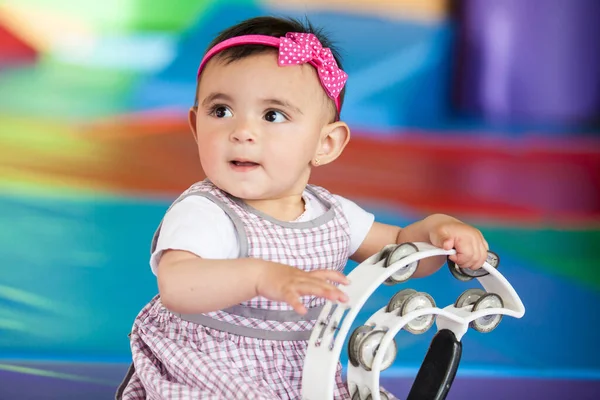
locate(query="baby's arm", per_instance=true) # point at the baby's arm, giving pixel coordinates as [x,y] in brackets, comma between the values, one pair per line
[189,284]
[438,229]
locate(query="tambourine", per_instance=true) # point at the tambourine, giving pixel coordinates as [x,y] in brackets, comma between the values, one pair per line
[372,347]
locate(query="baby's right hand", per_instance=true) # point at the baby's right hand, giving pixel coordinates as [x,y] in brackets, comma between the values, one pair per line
[284,283]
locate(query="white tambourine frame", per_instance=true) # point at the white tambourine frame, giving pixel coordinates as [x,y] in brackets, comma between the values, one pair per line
[335,321]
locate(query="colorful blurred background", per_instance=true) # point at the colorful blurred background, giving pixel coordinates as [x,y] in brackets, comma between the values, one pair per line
[486,110]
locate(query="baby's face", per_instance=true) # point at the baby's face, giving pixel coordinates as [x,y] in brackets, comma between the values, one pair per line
[258,125]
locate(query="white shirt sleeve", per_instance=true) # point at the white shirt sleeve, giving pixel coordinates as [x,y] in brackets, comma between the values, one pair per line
[360,222]
[199,226]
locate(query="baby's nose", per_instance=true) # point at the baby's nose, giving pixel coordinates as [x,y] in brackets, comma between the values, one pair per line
[243,134]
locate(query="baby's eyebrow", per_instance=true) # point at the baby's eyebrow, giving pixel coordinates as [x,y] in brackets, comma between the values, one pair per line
[211,98]
[282,103]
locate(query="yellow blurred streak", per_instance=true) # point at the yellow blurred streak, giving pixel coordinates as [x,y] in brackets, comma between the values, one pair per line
[42,140]
[423,10]
[36,183]
[44,155]
[44,29]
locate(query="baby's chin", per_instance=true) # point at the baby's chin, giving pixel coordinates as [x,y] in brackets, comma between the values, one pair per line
[243,190]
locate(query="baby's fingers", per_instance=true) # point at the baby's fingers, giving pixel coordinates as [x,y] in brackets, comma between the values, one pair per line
[467,254]
[332,276]
[293,299]
[318,289]
[480,252]
[324,290]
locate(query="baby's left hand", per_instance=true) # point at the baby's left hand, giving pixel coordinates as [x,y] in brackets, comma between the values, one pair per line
[449,233]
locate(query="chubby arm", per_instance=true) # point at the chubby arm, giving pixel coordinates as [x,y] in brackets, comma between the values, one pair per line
[189,284]
[438,229]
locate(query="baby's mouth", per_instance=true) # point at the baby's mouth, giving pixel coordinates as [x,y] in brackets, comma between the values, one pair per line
[238,163]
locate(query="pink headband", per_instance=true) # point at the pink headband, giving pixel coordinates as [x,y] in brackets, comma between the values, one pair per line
[294,48]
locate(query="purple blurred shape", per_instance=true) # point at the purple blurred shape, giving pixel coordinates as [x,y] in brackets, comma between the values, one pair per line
[21,386]
[529,60]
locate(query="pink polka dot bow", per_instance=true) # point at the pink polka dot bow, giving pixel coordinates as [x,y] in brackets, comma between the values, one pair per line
[301,48]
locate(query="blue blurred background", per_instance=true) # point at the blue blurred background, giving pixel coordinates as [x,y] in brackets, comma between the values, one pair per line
[489,111]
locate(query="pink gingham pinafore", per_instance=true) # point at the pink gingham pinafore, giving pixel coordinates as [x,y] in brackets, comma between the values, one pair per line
[254,350]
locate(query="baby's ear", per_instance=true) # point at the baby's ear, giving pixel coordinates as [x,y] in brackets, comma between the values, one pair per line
[192,114]
[334,138]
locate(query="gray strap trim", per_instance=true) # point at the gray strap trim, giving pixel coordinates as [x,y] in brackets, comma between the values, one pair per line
[209,322]
[274,315]
[237,222]
[320,220]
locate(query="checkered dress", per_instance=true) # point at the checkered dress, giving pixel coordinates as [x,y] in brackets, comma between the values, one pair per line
[174,358]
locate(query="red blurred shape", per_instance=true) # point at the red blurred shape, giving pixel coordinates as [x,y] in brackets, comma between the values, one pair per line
[14,51]
[532,179]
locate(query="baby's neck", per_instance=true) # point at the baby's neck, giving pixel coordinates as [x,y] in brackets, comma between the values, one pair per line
[284,209]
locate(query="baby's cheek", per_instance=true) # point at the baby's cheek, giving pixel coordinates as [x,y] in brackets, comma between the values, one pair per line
[208,160]
[291,162]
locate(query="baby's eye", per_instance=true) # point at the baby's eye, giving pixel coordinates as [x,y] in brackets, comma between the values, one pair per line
[221,112]
[275,116]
